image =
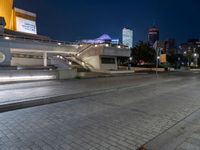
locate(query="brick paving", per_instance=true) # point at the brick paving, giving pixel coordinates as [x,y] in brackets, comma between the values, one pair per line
[123,119]
[30,90]
[192,140]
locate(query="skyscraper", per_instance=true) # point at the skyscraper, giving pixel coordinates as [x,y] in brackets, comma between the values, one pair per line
[127,37]
[153,35]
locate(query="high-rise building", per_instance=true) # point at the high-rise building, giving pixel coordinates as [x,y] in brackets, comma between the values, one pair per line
[127,37]
[153,35]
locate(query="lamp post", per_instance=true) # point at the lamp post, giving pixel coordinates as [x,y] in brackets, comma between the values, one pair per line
[196,57]
[185,55]
[158,52]
[130,61]
[157,62]
[157,47]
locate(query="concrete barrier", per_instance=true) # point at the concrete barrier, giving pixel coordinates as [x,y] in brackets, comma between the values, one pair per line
[34,75]
[67,74]
[148,69]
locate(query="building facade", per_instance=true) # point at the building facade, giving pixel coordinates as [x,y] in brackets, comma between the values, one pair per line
[127,37]
[153,35]
[17,19]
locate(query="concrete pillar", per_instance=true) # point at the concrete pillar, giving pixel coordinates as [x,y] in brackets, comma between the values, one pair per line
[45,59]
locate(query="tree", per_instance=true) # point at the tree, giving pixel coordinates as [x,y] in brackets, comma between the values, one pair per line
[143,52]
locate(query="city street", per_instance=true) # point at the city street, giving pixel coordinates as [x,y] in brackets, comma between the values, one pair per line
[124,113]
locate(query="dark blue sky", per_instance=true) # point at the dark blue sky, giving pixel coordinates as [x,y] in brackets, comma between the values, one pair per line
[72,20]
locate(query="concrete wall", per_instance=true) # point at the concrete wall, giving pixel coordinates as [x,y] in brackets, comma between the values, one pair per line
[20,44]
[67,74]
[113,51]
[94,61]
[26,62]
[109,66]
[33,75]
[109,51]
[92,56]
[10,46]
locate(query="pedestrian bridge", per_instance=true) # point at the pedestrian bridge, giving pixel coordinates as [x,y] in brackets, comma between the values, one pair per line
[20,51]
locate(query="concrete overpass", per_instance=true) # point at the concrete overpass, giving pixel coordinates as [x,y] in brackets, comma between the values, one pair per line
[15,51]
[12,45]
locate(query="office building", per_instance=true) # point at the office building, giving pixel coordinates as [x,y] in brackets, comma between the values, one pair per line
[127,37]
[153,35]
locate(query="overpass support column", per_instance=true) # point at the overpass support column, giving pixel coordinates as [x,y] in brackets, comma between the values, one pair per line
[45,59]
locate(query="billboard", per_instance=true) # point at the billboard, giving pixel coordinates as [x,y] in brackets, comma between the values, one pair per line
[25,25]
[163,58]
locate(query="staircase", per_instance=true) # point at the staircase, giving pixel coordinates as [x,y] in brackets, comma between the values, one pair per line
[60,62]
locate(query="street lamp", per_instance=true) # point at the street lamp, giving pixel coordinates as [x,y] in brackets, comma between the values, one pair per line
[7,38]
[196,56]
[158,51]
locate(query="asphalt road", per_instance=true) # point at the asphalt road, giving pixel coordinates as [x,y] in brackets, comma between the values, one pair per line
[140,110]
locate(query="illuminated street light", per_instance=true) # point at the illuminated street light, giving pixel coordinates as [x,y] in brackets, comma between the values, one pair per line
[26,78]
[96,45]
[107,45]
[70,63]
[7,38]
[158,57]
[196,57]
[131,58]
[118,46]
[59,44]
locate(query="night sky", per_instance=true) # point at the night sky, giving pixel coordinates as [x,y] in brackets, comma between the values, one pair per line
[72,20]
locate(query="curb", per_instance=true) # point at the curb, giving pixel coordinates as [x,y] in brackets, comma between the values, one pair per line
[10,106]
[27,103]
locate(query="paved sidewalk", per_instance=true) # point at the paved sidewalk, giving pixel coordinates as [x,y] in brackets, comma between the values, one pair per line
[123,119]
[29,90]
[22,95]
